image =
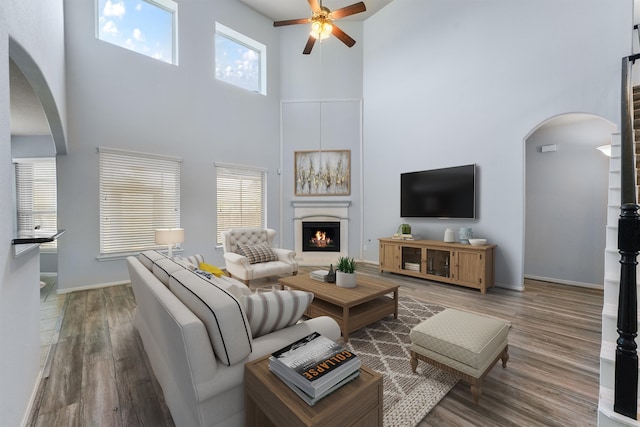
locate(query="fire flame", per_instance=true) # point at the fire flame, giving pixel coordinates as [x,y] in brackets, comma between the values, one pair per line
[320,240]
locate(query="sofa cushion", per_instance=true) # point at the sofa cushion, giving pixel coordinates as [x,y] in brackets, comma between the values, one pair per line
[260,252]
[234,287]
[184,263]
[163,268]
[272,311]
[148,257]
[219,310]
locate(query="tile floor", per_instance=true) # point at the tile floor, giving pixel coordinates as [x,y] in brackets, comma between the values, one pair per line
[51,307]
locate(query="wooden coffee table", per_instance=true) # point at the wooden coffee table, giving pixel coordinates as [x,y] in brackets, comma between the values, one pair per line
[352,308]
[270,402]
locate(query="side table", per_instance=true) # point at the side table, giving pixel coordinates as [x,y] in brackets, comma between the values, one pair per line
[269,402]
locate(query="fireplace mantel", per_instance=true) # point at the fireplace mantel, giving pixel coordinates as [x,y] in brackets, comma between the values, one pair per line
[321,203]
[320,210]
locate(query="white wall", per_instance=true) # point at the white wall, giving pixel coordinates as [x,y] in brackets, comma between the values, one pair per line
[35,32]
[121,99]
[566,202]
[453,82]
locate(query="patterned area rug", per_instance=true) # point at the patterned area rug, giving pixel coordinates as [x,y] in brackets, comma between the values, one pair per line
[384,346]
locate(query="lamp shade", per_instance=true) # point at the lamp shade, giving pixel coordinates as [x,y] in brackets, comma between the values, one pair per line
[169,236]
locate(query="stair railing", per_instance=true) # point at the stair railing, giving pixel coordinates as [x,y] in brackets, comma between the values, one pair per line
[626,369]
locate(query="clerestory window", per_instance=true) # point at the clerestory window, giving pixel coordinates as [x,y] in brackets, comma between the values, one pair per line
[148,27]
[240,60]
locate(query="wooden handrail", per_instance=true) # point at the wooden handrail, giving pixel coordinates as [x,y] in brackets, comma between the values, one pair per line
[626,369]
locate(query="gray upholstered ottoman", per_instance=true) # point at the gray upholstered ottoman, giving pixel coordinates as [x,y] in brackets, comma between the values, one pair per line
[463,343]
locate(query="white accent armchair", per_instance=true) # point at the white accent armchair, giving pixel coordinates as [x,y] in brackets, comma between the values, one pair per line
[246,268]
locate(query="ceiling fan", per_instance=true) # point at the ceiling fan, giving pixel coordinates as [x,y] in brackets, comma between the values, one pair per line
[322,25]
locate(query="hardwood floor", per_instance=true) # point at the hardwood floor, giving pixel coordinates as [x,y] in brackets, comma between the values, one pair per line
[99,373]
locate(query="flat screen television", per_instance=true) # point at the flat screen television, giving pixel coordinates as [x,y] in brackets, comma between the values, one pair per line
[439,193]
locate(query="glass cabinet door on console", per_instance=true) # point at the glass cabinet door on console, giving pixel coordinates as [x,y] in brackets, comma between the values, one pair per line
[411,259]
[438,262]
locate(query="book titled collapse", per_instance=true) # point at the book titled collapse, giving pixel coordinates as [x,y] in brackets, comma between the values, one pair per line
[314,356]
[327,365]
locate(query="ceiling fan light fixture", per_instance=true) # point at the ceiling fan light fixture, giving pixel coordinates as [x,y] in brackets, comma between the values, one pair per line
[320,30]
[322,23]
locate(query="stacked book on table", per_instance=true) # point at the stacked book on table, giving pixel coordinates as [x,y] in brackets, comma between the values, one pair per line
[319,275]
[314,366]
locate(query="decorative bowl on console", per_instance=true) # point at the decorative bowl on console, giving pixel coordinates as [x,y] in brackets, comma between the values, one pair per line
[478,242]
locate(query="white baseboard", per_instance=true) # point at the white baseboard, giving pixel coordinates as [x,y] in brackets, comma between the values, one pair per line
[518,288]
[89,287]
[32,400]
[564,282]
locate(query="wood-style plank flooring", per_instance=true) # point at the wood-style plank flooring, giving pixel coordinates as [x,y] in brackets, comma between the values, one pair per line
[99,373]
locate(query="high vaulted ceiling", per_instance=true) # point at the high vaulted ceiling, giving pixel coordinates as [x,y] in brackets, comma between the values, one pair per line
[280,10]
[27,115]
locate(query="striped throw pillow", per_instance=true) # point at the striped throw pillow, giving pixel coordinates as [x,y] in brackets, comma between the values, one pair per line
[272,311]
[193,260]
[260,252]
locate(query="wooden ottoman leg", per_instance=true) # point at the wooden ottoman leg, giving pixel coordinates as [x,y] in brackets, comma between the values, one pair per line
[413,361]
[505,356]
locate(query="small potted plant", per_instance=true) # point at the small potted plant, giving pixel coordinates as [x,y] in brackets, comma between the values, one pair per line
[346,272]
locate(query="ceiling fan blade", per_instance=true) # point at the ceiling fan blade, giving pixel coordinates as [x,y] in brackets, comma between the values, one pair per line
[309,45]
[342,36]
[315,6]
[291,22]
[348,10]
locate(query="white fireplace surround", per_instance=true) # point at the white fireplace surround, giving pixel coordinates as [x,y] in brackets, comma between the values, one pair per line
[320,211]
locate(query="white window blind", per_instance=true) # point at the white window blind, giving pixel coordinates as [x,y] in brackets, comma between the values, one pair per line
[139,192]
[240,198]
[37,196]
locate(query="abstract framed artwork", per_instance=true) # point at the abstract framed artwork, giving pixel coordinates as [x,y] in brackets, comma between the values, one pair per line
[322,173]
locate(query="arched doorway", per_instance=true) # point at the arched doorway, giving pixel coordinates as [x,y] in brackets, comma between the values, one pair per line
[566,183]
[33,151]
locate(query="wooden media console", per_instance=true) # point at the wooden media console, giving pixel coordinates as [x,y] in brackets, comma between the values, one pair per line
[455,263]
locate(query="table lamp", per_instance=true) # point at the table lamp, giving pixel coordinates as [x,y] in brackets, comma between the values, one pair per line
[169,237]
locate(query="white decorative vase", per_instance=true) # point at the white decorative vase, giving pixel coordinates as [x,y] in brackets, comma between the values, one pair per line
[449,235]
[345,280]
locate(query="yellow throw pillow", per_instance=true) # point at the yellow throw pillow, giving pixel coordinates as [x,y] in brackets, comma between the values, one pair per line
[211,269]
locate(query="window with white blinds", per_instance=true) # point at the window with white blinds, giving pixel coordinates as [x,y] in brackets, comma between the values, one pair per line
[37,196]
[139,192]
[240,197]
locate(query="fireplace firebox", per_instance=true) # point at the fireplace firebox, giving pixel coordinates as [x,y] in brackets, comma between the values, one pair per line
[321,236]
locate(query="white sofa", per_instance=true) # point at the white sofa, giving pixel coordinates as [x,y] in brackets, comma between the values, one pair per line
[200,364]
[247,268]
